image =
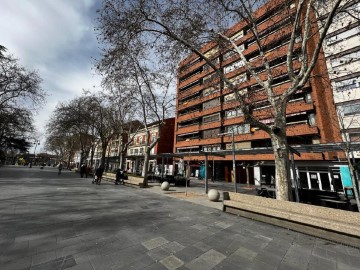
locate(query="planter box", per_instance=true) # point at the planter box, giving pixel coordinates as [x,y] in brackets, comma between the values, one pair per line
[331,224]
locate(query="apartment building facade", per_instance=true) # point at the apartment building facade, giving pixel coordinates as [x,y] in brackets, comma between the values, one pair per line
[342,51]
[206,108]
[136,150]
[116,146]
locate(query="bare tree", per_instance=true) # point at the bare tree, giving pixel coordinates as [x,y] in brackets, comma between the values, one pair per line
[121,99]
[20,95]
[75,117]
[155,104]
[63,144]
[173,27]
[104,119]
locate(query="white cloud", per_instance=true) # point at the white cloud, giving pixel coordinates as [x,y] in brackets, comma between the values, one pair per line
[57,39]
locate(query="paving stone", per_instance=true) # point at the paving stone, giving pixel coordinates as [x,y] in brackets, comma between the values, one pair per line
[206,261]
[245,253]
[324,253]
[172,262]
[318,263]
[199,227]
[155,242]
[82,266]
[139,263]
[269,258]
[223,224]
[56,264]
[156,266]
[238,261]
[173,247]
[202,246]
[158,254]
[260,265]
[43,257]
[21,263]
[226,265]
[342,266]
[189,253]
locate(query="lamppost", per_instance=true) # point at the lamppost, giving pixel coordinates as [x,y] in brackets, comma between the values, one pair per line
[233,155]
[36,143]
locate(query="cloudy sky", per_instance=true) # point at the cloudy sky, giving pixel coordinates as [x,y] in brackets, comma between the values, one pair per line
[56,38]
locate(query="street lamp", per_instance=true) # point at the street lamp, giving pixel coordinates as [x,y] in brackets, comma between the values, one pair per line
[233,155]
[36,143]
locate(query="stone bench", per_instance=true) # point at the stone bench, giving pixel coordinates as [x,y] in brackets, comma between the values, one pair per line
[331,224]
[132,180]
[109,176]
[136,181]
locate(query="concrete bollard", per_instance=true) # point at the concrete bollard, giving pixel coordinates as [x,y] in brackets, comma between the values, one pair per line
[213,195]
[165,186]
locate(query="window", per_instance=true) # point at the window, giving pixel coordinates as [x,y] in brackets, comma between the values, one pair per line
[342,36]
[350,109]
[211,118]
[238,129]
[228,55]
[308,98]
[312,119]
[237,36]
[238,79]
[348,84]
[233,113]
[241,47]
[210,77]
[211,53]
[211,148]
[232,97]
[239,145]
[233,66]
[346,59]
[211,133]
[131,151]
[191,63]
[229,97]
[190,85]
[209,91]
[210,104]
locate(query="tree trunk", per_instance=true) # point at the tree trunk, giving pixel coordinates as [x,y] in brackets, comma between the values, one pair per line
[121,158]
[145,167]
[351,167]
[92,156]
[282,166]
[103,155]
[68,162]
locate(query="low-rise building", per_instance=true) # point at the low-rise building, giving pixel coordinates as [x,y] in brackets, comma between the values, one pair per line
[136,150]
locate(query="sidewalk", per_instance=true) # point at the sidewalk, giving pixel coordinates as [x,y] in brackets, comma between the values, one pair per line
[195,193]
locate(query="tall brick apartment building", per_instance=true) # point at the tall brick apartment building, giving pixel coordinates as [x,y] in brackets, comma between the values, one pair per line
[206,108]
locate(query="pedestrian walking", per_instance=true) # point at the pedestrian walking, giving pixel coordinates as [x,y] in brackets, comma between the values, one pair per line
[83,171]
[60,168]
[99,173]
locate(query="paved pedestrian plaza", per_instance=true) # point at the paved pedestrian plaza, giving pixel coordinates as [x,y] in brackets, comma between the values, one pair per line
[64,222]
